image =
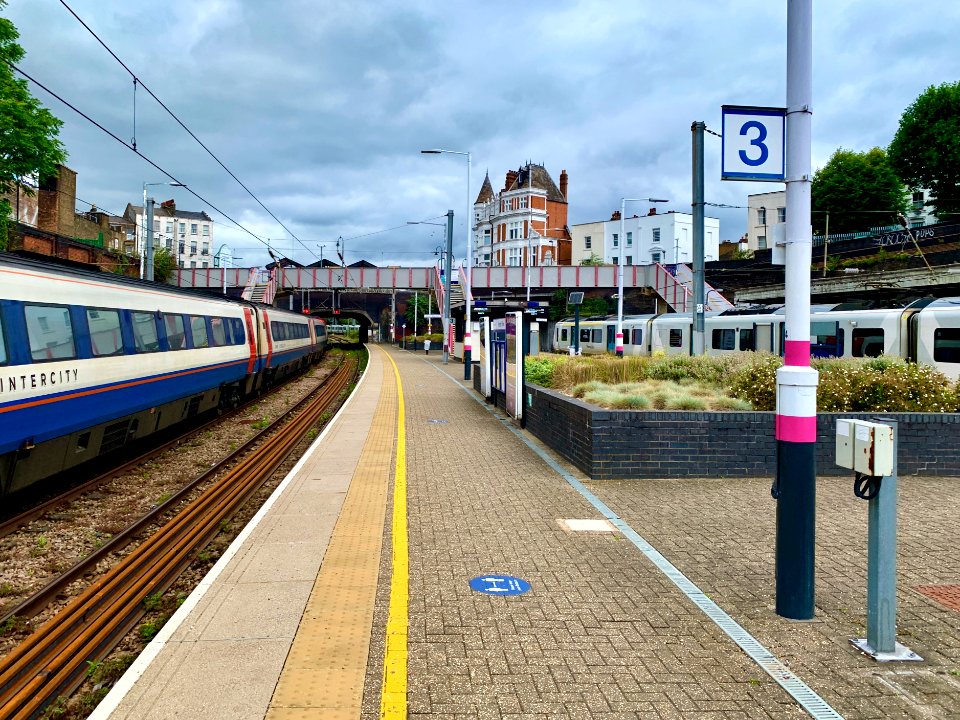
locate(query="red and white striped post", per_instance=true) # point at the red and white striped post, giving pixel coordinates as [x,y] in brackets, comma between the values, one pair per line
[796,420]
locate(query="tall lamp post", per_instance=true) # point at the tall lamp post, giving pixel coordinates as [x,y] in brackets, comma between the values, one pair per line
[448,271]
[623,208]
[146,233]
[467,337]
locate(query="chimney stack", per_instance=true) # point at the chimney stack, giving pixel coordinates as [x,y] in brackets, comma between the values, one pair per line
[511,179]
[653,211]
[564,179]
[616,215]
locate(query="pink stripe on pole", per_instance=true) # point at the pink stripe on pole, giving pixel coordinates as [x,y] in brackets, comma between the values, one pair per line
[796,429]
[796,353]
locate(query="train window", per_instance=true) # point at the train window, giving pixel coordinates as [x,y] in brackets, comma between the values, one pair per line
[563,334]
[239,336]
[218,333]
[105,336]
[638,336]
[746,339]
[198,328]
[946,345]
[50,332]
[676,337]
[826,339]
[597,336]
[176,337]
[145,337]
[724,339]
[3,345]
[866,342]
[584,335]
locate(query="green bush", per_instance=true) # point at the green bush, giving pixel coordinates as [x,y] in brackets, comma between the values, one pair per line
[755,381]
[539,370]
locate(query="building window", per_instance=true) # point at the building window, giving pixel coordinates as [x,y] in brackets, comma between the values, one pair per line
[180,248]
[761,216]
[918,200]
[616,240]
[169,243]
[204,264]
[656,234]
[156,226]
[616,261]
[183,228]
[205,249]
[513,257]
[656,257]
[587,243]
[206,229]
[629,241]
[486,237]
[169,228]
[762,242]
[513,230]
[629,259]
[193,228]
[193,249]
[781,214]
[523,202]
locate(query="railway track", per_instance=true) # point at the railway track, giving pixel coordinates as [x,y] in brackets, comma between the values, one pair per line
[53,660]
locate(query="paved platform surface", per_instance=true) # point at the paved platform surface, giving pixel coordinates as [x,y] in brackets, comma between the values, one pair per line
[603,632]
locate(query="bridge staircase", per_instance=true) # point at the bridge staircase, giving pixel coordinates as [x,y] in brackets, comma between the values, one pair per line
[683,275]
[456,291]
[261,287]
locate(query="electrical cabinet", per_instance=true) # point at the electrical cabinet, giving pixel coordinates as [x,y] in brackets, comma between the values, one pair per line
[865,447]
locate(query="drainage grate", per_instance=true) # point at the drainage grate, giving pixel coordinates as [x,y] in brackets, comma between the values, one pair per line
[946,595]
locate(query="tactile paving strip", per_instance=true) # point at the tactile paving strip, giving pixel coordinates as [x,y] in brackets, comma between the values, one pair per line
[324,673]
[946,595]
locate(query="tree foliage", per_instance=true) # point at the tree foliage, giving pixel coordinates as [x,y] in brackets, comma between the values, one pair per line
[853,187]
[926,147]
[416,309]
[29,142]
[592,261]
[163,264]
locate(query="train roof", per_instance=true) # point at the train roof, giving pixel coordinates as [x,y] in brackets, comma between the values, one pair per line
[42,266]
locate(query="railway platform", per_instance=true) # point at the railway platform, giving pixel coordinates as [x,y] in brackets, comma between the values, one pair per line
[428,559]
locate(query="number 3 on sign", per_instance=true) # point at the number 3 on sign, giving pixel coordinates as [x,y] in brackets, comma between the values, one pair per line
[753,143]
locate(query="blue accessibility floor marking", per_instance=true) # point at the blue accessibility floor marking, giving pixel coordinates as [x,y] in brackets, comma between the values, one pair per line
[809,700]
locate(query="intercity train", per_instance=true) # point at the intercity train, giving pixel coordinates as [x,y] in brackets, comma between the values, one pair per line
[926,331]
[91,361]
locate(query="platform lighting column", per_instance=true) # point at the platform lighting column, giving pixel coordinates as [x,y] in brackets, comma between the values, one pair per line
[448,271]
[468,286]
[796,418]
[623,206]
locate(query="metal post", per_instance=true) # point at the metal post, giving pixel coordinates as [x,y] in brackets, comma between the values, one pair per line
[576,329]
[416,299]
[796,419]
[467,331]
[619,345]
[393,316]
[446,290]
[826,243]
[148,250]
[699,344]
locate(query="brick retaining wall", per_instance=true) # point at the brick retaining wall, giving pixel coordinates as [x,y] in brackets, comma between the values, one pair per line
[613,444]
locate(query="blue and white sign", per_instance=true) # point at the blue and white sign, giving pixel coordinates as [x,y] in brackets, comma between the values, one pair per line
[499,585]
[754,143]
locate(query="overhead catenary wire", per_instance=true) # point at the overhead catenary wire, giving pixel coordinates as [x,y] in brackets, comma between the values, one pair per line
[137,80]
[144,157]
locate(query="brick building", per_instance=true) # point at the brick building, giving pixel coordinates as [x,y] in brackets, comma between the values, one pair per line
[187,234]
[525,223]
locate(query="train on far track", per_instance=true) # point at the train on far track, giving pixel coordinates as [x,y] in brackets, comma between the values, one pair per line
[92,361]
[926,331]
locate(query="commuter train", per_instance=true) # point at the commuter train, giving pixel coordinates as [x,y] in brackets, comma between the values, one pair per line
[91,361]
[926,331]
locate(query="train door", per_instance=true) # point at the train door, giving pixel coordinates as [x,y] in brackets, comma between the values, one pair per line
[611,338]
[762,337]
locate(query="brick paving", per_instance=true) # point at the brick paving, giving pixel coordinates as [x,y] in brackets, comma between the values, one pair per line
[603,633]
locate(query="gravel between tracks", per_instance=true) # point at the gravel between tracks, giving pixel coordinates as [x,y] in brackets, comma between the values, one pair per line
[37,552]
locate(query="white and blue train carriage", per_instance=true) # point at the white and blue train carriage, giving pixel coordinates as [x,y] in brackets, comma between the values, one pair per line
[91,361]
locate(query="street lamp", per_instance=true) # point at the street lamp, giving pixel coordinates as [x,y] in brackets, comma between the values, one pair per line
[146,243]
[467,336]
[446,282]
[623,209]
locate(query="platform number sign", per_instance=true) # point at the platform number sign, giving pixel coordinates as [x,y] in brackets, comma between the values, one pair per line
[754,146]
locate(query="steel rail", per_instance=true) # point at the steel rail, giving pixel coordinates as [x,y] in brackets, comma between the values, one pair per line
[13,523]
[34,604]
[53,660]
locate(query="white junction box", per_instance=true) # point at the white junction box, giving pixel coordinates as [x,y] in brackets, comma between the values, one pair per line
[866,447]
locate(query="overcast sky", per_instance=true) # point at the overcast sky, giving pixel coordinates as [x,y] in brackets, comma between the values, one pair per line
[321,107]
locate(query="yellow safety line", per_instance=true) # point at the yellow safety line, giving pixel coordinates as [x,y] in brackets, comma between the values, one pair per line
[393,698]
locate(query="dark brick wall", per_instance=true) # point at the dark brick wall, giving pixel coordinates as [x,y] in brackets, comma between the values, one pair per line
[612,444]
